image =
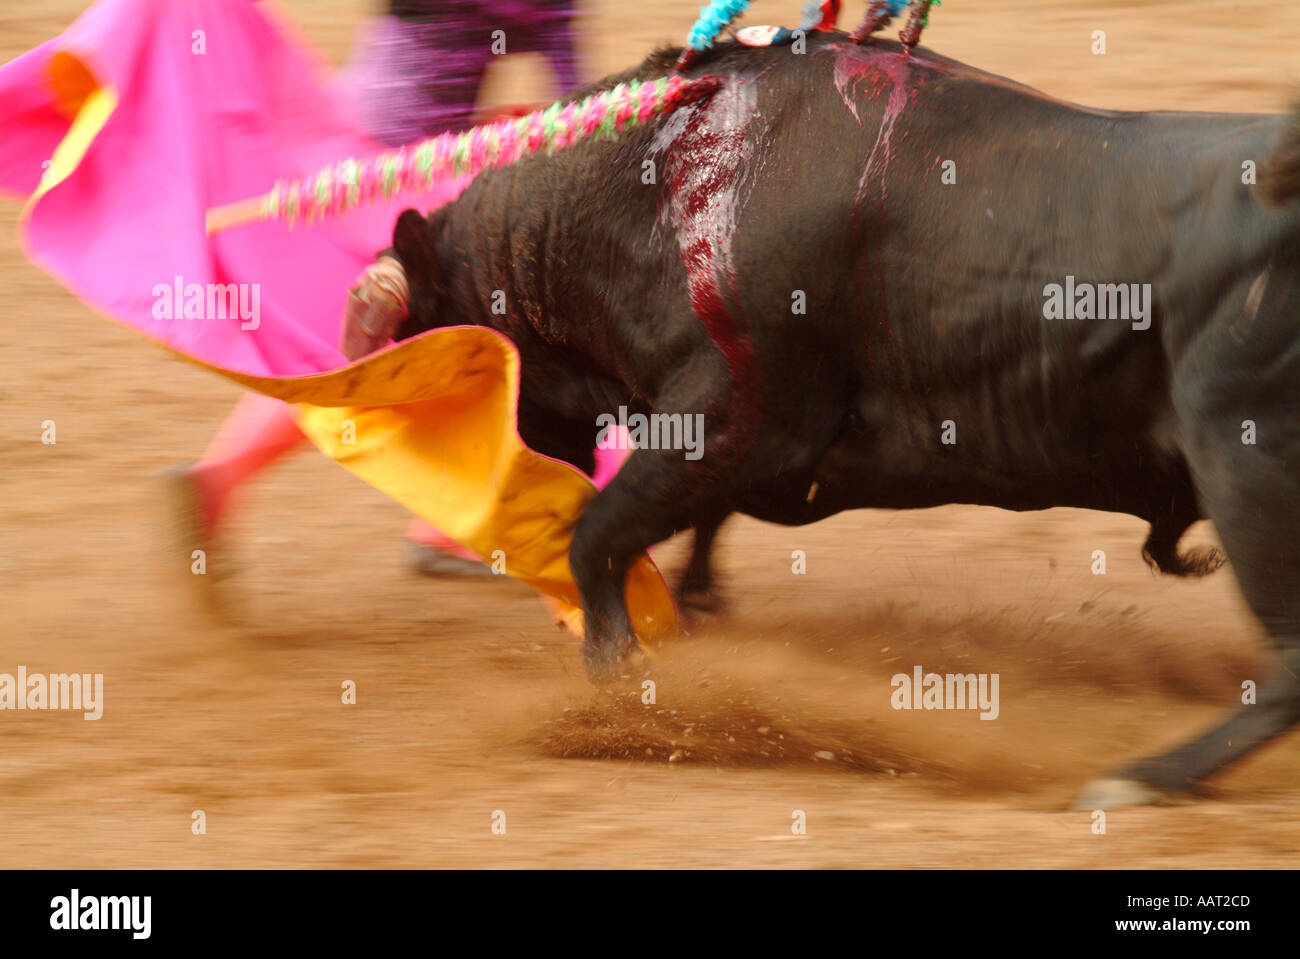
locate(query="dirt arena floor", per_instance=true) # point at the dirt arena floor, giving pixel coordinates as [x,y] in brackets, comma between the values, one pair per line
[469,701]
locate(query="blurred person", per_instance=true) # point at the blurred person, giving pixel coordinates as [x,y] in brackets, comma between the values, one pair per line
[417,73]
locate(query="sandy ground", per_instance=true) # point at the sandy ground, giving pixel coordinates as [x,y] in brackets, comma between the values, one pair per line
[470,702]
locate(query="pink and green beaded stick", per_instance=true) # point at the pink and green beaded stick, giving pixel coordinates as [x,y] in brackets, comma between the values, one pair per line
[349,183]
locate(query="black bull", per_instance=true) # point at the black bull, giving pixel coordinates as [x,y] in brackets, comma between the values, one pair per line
[793,260]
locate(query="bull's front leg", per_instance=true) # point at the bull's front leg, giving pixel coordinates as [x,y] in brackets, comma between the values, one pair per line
[1251,496]
[648,501]
[657,493]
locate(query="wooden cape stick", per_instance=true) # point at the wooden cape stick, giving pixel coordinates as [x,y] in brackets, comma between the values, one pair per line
[344,185]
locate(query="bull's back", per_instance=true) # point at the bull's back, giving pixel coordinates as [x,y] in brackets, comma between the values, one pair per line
[867,238]
[924,232]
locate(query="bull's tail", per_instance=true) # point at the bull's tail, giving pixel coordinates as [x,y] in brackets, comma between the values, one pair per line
[1161,552]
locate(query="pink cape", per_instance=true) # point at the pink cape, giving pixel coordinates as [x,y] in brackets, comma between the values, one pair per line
[124,131]
[215,99]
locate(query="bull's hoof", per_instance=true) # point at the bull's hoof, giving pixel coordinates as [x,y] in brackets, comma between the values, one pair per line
[607,663]
[701,608]
[1114,792]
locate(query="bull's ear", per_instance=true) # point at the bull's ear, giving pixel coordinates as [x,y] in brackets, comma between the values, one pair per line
[415,251]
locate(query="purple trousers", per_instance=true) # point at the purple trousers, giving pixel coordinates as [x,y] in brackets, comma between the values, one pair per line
[418,73]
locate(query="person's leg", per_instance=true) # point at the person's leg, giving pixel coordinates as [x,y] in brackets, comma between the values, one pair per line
[554,39]
[419,73]
[432,552]
[427,535]
[261,430]
[258,431]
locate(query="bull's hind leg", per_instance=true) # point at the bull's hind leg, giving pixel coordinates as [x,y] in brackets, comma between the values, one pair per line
[1251,491]
[1256,521]
[1180,771]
